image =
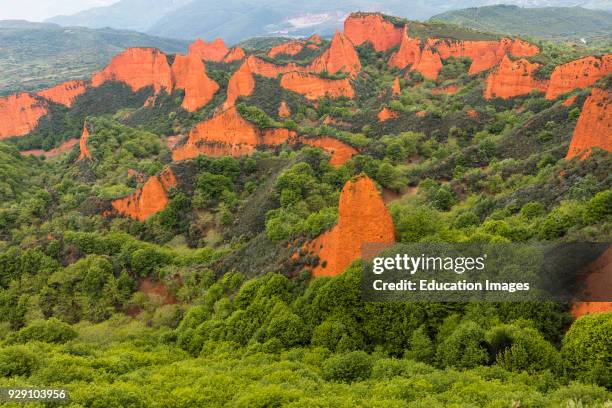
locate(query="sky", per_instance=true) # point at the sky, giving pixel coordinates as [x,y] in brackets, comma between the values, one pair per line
[38,10]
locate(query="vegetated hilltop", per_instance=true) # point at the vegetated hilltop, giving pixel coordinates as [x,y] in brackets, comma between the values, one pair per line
[206,228]
[553,23]
[37,55]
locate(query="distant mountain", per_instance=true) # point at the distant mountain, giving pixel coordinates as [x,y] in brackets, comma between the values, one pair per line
[37,55]
[237,20]
[560,23]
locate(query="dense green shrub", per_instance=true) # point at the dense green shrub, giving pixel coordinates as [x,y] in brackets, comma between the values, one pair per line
[349,367]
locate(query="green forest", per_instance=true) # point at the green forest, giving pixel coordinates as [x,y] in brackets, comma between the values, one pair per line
[204,305]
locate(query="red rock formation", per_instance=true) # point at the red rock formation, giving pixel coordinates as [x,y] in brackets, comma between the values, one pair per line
[213,51]
[314,39]
[288,48]
[409,52]
[269,69]
[340,56]
[594,127]
[340,151]
[429,65]
[472,113]
[513,78]
[189,73]
[19,114]
[64,147]
[314,87]
[241,83]
[64,93]
[235,54]
[374,28]
[395,87]
[228,134]
[386,114]
[569,101]
[85,153]
[138,68]
[578,74]
[362,218]
[520,48]
[148,200]
[283,110]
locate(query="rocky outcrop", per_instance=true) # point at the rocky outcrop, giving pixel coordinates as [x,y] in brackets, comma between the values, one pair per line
[19,114]
[395,87]
[189,73]
[339,57]
[213,51]
[340,152]
[48,154]
[228,134]
[387,114]
[270,70]
[314,87]
[235,54]
[362,218]
[409,52]
[148,200]
[372,28]
[314,39]
[288,48]
[578,74]
[283,110]
[521,48]
[513,78]
[429,64]
[138,68]
[84,150]
[594,127]
[241,83]
[64,93]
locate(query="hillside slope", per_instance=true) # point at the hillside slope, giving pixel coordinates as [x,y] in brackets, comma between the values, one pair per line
[556,23]
[38,55]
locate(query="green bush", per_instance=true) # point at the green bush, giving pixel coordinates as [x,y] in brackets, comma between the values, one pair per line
[465,347]
[18,361]
[349,367]
[49,331]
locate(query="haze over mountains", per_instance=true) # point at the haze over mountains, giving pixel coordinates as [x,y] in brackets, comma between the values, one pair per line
[236,20]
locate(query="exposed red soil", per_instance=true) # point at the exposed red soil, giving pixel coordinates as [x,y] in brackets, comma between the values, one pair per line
[340,56]
[288,48]
[314,87]
[372,28]
[340,151]
[594,126]
[19,114]
[513,78]
[64,93]
[387,114]
[241,83]
[209,51]
[580,73]
[48,154]
[189,73]
[283,110]
[235,54]
[84,150]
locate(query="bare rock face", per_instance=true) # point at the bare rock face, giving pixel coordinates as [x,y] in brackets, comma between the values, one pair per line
[594,127]
[19,114]
[429,65]
[64,93]
[287,48]
[148,200]
[269,69]
[235,54]
[228,134]
[84,150]
[213,51]
[340,56]
[241,83]
[138,68]
[283,110]
[580,73]
[362,218]
[189,73]
[314,87]
[513,78]
[409,52]
[340,152]
[387,114]
[395,87]
[372,28]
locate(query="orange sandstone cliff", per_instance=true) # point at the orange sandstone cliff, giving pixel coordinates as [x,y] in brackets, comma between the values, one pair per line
[235,54]
[386,114]
[340,152]
[213,51]
[241,83]
[228,134]
[269,69]
[372,28]
[19,114]
[409,52]
[84,150]
[395,87]
[314,87]
[340,56]
[148,200]
[189,73]
[287,48]
[429,65]
[513,78]
[64,93]
[283,110]
[594,127]
[138,68]
[362,218]
[578,74]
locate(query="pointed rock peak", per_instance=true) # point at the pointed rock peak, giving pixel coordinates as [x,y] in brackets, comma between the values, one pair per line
[283,110]
[409,52]
[85,153]
[242,83]
[315,39]
[395,87]
[386,114]
[429,65]
[213,51]
[594,126]
[362,218]
[189,74]
[235,54]
[373,28]
[340,56]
